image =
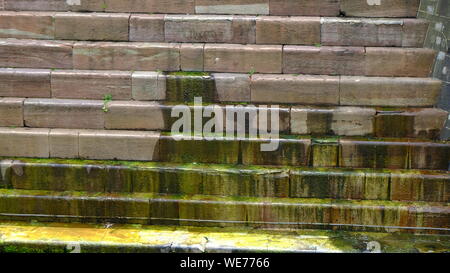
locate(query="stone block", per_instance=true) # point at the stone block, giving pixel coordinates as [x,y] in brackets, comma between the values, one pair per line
[24,142]
[11,112]
[147,28]
[26,25]
[27,83]
[63,143]
[135,115]
[148,86]
[287,30]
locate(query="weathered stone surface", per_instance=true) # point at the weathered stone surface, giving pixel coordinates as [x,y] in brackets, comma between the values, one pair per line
[361,32]
[434,156]
[287,30]
[374,154]
[147,28]
[199,150]
[210,29]
[121,145]
[24,142]
[11,112]
[291,152]
[184,87]
[148,86]
[127,56]
[135,115]
[399,62]
[151,6]
[82,84]
[232,87]
[63,143]
[304,7]
[325,153]
[192,57]
[26,83]
[414,32]
[421,122]
[54,5]
[323,60]
[379,91]
[385,8]
[232,6]
[59,113]
[344,121]
[26,25]
[91,26]
[298,89]
[243,58]
[35,54]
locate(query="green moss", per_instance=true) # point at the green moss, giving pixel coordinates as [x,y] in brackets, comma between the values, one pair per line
[28,249]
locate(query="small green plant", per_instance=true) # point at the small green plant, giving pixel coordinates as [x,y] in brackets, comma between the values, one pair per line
[104,6]
[252,71]
[106,99]
[318,45]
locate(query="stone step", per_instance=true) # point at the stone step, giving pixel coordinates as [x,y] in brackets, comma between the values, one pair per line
[286,151]
[209,211]
[88,238]
[224,180]
[214,29]
[364,8]
[295,120]
[220,87]
[132,56]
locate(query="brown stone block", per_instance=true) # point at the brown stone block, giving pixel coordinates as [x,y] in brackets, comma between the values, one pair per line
[11,112]
[150,6]
[385,8]
[287,30]
[147,28]
[304,7]
[232,6]
[26,25]
[63,143]
[26,83]
[24,142]
[192,57]
[136,116]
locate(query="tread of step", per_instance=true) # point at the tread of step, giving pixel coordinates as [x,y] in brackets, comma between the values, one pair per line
[290,151]
[223,180]
[132,56]
[194,210]
[214,29]
[148,115]
[58,237]
[63,238]
[387,8]
[220,87]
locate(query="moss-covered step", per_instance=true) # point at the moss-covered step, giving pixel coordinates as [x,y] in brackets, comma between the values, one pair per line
[35,237]
[200,210]
[223,180]
[282,150]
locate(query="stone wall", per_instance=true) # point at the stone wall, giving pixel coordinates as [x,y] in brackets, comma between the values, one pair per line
[438,12]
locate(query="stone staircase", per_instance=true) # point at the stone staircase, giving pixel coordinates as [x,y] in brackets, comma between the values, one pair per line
[87,91]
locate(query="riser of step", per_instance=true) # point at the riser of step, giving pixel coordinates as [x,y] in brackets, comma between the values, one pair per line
[215,211]
[389,8]
[220,87]
[151,146]
[135,115]
[214,29]
[224,180]
[330,60]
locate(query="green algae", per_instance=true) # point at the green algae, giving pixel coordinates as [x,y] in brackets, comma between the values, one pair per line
[185,87]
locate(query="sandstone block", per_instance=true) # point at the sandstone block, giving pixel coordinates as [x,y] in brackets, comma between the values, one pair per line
[26,83]
[385,8]
[148,86]
[192,57]
[304,7]
[11,112]
[232,6]
[232,87]
[147,28]
[63,143]
[26,25]
[287,30]
[135,115]
[24,142]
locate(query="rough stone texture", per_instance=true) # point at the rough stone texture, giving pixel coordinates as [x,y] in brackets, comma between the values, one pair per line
[192,57]
[210,29]
[54,5]
[434,156]
[361,32]
[148,86]
[82,84]
[414,32]
[63,143]
[147,28]
[419,187]
[399,62]
[35,54]
[232,6]
[127,56]
[343,121]
[151,6]
[295,89]
[379,91]
[135,116]
[58,113]
[26,25]
[24,142]
[386,8]
[11,112]
[232,87]
[27,83]
[323,60]
[121,145]
[304,7]
[91,26]
[287,30]
[243,58]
